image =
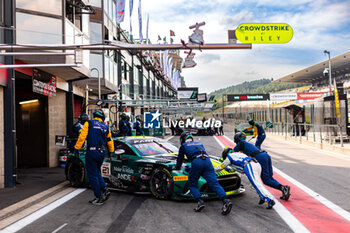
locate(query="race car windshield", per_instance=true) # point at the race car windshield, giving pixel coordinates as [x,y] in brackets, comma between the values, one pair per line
[150,148]
[171,147]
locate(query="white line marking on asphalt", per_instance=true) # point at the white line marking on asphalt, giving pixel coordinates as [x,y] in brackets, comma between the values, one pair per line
[39,213]
[345,214]
[287,216]
[169,138]
[58,229]
[217,140]
[337,209]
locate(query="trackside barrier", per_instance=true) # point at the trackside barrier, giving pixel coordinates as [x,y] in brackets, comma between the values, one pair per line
[323,134]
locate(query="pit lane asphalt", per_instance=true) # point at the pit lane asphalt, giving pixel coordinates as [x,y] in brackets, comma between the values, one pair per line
[324,172]
[142,213]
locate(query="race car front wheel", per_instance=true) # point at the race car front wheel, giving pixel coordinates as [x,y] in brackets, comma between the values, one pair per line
[76,173]
[161,183]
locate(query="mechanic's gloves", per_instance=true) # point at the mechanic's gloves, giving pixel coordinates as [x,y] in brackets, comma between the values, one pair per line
[76,152]
[229,169]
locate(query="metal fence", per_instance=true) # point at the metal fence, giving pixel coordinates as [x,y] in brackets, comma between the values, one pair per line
[330,134]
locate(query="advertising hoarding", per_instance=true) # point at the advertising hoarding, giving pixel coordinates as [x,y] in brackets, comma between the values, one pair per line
[247,97]
[189,93]
[202,97]
[44,83]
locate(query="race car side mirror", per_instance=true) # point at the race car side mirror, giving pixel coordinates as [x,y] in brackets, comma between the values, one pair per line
[119,151]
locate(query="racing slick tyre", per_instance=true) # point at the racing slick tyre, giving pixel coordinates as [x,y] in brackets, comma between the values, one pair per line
[161,183]
[76,173]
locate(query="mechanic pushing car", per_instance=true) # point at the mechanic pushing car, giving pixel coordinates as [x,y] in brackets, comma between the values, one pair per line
[138,126]
[98,135]
[251,168]
[76,129]
[258,131]
[200,166]
[264,160]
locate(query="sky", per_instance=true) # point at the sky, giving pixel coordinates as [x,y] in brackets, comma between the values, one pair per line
[317,25]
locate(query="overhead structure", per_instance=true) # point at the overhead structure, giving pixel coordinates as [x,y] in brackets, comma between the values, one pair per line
[313,74]
[116,45]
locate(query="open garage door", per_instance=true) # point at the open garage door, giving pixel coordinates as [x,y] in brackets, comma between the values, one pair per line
[31,124]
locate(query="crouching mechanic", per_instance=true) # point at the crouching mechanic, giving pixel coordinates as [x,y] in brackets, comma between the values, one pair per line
[98,135]
[264,160]
[251,168]
[200,166]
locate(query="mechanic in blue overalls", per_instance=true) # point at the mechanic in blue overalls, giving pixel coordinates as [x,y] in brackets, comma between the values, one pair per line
[265,162]
[128,126]
[98,136]
[258,131]
[251,168]
[200,166]
[76,129]
[123,129]
[138,126]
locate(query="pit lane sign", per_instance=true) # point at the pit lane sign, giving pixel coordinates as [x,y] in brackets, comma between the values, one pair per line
[247,97]
[44,83]
[264,33]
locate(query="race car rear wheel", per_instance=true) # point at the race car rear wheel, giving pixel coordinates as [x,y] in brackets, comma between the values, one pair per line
[76,173]
[161,183]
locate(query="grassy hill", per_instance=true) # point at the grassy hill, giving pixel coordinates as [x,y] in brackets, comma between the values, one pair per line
[254,87]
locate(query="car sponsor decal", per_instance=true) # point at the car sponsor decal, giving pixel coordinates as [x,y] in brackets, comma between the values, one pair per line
[124,169]
[126,177]
[180,178]
[116,182]
[138,141]
[145,177]
[106,169]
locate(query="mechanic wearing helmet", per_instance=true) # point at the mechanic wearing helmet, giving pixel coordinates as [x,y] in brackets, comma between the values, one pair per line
[137,126]
[98,135]
[76,129]
[265,161]
[128,126]
[78,126]
[200,166]
[258,131]
[123,129]
[251,168]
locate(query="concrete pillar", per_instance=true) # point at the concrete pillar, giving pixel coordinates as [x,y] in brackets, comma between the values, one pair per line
[57,124]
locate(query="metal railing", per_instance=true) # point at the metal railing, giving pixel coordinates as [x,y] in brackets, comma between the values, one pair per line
[330,134]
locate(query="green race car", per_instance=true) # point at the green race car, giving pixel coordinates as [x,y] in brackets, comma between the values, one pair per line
[143,165]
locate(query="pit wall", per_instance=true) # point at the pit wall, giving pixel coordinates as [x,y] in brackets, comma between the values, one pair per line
[323,146]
